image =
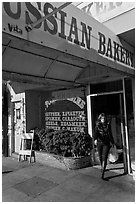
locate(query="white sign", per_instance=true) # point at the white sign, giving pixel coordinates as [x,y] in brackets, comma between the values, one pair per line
[103,11]
[68,26]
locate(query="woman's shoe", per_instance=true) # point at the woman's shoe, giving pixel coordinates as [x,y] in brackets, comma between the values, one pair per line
[102,176]
[105,179]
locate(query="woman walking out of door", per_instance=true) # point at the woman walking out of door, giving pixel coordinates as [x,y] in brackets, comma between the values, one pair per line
[104,140]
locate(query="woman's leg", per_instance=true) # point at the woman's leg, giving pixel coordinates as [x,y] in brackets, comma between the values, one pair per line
[105,153]
[100,150]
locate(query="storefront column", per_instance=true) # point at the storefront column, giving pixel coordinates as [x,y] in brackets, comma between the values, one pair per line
[5,121]
[123,135]
[89,116]
[126,131]
[133,94]
[89,111]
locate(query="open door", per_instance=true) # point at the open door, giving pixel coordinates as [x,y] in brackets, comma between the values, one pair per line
[112,104]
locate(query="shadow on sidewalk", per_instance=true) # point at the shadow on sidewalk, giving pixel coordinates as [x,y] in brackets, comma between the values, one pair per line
[115,168]
[118,172]
[114,176]
[6,172]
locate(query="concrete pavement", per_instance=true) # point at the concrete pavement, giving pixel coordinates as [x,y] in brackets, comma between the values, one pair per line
[24,182]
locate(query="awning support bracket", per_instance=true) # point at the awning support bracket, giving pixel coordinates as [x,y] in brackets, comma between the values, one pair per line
[50,66]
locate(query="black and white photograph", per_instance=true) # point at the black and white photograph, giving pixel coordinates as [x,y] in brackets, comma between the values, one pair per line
[68,101]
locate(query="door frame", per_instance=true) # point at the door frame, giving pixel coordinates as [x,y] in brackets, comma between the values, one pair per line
[124,129]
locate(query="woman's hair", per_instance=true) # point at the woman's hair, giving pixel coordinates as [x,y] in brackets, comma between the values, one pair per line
[102,115]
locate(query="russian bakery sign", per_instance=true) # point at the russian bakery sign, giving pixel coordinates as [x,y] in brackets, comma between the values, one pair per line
[63,25]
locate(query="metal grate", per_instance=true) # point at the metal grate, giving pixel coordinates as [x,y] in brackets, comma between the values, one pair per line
[35,186]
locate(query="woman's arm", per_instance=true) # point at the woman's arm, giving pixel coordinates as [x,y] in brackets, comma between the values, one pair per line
[96,133]
[110,135]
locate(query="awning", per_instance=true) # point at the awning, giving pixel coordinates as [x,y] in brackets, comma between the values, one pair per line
[36,65]
[39,66]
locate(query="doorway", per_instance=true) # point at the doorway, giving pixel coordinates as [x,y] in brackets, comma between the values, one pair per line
[112,105]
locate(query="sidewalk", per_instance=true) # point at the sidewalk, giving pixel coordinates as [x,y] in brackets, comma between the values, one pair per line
[24,182]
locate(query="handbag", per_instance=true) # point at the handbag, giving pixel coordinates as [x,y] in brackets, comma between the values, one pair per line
[113,154]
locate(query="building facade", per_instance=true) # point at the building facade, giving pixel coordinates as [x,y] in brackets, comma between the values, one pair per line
[62,70]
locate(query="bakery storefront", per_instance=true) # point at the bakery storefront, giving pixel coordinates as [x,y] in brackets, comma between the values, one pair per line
[61,71]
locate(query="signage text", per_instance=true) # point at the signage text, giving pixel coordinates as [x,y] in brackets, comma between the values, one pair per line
[75,32]
[67,114]
[72,36]
[113,50]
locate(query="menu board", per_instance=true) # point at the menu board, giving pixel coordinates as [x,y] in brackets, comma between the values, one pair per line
[67,114]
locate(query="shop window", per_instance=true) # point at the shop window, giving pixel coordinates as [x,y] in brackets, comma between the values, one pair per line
[106,87]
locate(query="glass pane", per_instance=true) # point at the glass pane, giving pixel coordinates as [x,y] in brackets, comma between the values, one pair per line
[106,87]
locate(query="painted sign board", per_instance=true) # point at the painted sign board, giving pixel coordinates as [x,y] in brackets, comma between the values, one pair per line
[70,93]
[67,114]
[69,30]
